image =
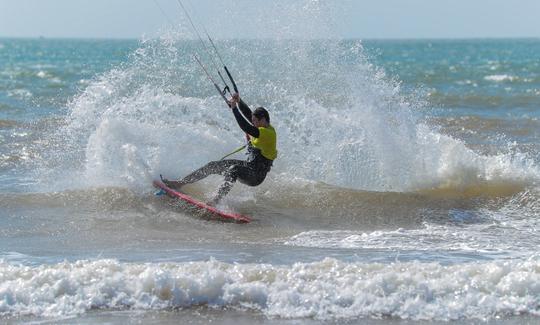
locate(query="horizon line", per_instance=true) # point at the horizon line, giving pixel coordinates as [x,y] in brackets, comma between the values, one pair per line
[92,38]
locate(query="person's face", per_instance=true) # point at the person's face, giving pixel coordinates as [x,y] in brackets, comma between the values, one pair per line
[257,122]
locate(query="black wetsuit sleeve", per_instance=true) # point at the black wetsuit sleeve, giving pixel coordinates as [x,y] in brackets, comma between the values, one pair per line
[246,111]
[244,125]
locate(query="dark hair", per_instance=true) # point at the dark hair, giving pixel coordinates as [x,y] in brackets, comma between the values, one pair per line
[261,112]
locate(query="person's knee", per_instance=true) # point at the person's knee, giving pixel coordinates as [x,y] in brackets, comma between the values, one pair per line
[214,167]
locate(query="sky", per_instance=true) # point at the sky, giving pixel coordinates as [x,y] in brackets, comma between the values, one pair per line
[373,19]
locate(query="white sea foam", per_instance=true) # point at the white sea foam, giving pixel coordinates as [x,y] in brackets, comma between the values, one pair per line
[482,238]
[513,230]
[500,78]
[20,93]
[42,74]
[329,289]
[130,152]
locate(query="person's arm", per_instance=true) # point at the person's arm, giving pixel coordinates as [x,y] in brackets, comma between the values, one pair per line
[244,108]
[244,125]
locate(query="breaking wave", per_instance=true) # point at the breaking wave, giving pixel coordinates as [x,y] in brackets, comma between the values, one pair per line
[325,290]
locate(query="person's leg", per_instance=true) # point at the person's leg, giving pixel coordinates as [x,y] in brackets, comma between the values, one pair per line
[214,167]
[230,177]
[244,173]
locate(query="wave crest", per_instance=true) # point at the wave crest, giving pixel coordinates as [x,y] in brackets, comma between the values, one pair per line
[325,290]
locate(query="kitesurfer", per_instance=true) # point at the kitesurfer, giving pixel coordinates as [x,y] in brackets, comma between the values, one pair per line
[261,152]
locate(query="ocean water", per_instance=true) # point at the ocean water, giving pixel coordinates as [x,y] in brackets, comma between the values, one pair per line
[406,188]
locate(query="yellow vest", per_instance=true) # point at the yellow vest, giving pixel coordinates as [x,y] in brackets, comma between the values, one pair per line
[266,142]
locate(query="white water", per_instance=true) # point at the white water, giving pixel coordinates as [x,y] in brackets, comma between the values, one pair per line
[322,290]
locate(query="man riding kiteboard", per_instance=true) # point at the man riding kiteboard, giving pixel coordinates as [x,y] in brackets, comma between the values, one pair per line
[261,151]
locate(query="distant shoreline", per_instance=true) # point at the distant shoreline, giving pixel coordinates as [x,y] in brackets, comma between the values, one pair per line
[265,39]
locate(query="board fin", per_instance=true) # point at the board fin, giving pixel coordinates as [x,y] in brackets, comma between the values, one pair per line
[160,192]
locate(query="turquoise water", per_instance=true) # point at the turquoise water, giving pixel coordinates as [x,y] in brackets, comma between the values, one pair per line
[406,187]
[477,76]
[39,77]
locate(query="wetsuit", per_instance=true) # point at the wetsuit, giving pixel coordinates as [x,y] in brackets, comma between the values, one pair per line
[261,152]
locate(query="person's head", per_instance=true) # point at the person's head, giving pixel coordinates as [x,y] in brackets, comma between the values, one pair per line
[260,117]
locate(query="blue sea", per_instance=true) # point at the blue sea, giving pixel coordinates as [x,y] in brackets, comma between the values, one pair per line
[407,187]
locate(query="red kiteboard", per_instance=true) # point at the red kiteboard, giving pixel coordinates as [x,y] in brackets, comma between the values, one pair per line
[222,215]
